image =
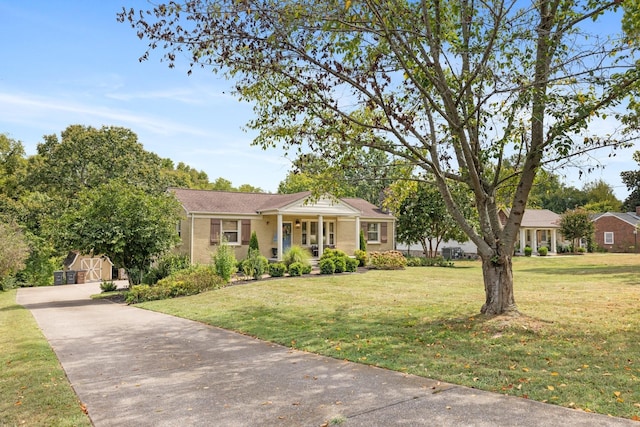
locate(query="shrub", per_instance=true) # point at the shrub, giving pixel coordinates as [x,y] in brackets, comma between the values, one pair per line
[363,242]
[388,260]
[224,261]
[306,269]
[296,254]
[255,265]
[327,266]
[341,264]
[528,251]
[295,269]
[190,281]
[415,261]
[277,269]
[338,257]
[352,265]
[361,256]
[543,250]
[108,286]
[253,242]
[166,265]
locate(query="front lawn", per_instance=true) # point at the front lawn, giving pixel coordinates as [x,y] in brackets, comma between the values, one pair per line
[576,344]
[35,390]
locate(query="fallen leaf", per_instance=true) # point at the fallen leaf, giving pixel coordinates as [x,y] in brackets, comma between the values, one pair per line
[550,387]
[617,393]
[554,374]
[525,369]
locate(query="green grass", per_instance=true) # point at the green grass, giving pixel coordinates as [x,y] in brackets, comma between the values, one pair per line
[34,388]
[575,345]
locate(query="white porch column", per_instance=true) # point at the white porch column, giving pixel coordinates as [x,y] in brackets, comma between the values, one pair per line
[320,236]
[358,233]
[523,240]
[279,237]
[554,239]
[534,241]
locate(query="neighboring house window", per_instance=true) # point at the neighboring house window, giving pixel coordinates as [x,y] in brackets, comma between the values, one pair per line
[608,237]
[179,228]
[231,231]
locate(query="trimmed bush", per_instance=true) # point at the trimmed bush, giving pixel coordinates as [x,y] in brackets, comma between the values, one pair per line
[253,242]
[224,261]
[306,269]
[543,250]
[388,260]
[438,261]
[528,251]
[352,265]
[277,269]
[362,257]
[327,266]
[191,281]
[295,269]
[363,242]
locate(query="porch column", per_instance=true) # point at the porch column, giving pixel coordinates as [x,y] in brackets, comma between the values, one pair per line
[534,241]
[279,238]
[320,236]
[554,238]
[523,240]
[358,233]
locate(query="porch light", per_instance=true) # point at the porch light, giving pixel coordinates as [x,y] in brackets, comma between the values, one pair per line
[297,223]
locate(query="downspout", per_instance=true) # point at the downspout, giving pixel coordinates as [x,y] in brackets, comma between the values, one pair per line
[191,240]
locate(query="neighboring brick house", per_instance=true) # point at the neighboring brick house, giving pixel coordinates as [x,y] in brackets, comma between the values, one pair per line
[617,232]
[279,220]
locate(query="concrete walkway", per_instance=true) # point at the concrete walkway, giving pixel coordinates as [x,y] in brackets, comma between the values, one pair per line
[135,367]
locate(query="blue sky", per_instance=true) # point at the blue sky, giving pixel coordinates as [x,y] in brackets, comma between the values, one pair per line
[70,62]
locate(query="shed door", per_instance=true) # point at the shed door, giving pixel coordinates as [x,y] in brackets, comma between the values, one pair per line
[93,267]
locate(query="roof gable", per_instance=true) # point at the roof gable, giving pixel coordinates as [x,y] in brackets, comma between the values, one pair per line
[537,218]
[629,218]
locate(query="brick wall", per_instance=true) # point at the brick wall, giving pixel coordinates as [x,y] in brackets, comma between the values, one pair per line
[623,237]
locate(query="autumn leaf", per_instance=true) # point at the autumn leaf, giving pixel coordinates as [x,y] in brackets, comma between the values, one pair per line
[617,393]
[550,387]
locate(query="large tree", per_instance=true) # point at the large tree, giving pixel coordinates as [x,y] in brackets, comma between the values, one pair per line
[123,222]
[451,87]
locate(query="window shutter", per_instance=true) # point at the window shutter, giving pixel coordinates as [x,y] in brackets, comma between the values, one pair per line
[383,232]
[216,226]
[246,231]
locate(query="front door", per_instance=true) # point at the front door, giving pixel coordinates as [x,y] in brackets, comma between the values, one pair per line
[286,236]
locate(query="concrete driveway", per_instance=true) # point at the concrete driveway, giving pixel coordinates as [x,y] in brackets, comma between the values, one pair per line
[133,367]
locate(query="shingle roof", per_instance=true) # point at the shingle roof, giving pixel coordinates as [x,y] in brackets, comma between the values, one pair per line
[225,202]
[538,218]
[628,217]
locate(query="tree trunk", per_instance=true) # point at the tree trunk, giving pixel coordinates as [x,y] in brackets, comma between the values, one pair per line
[497,272]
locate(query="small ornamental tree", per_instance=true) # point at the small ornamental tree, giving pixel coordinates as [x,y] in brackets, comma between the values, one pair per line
[576,224]
[14,250]
[253,242]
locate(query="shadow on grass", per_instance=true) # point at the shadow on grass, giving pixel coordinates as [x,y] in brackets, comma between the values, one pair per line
[584,270]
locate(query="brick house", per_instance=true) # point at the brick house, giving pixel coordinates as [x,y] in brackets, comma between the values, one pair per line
[279,221]
[617,232]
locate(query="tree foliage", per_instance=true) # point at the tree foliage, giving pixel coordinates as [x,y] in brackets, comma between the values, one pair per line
[575,225]
[423,217]
[452,88]
[632,180]
[123,222]
[14,250]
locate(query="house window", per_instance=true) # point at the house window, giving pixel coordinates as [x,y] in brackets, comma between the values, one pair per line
[310,233]
[608,237]
[373,232]
[179,228]
[231,231]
